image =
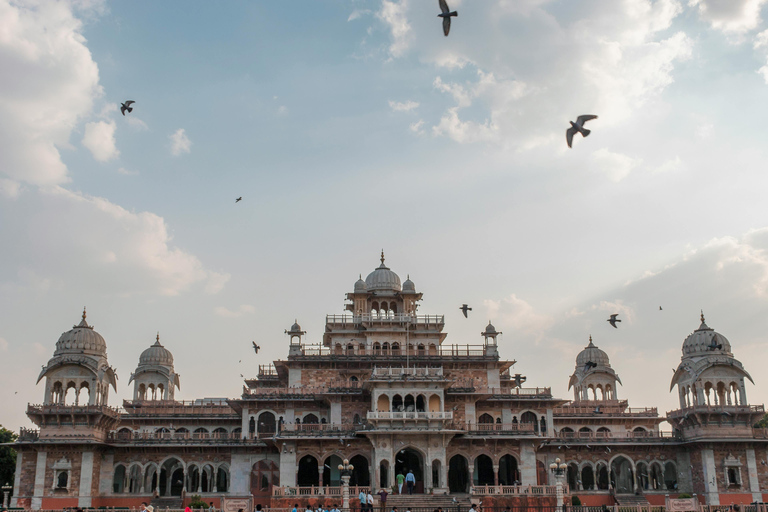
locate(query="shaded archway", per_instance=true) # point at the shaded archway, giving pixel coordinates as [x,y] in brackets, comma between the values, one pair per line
[267,423]
[483,474]
[307,474]
[622,478]
[361,475]
[458,474]
[508,474]
[265,474]
[573,476]
[409,459]
[670,475]
[602,477]
[171,477]
[384,474]
[587,478]
[331,473]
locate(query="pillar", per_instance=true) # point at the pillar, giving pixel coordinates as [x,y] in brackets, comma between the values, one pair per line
[754,485]
[527,463]
[288,465]
[320,474]
[37,496]
[86,480]
[17,480]
[710,477]
[496,474]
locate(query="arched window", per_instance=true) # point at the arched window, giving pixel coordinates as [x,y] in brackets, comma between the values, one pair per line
[528,417]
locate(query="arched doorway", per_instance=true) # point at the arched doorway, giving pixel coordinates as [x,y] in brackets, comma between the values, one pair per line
[171,477]
[331,473]
[267,423]
[508,474]
[458,474]
[588,478]
[409,459]
[265,474]
[384,475]
[602,477]
[361,475]
[483,470]
[308,475]
[621,475]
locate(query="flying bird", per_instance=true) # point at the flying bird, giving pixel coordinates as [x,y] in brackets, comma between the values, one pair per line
[660,308]
[242,375]
[714,345]
[255,347]
[446,15]
[239,199]
[126,106]
[578,127]
[613,321]
[519,379]
[590,364]
[464,308]
[597,410]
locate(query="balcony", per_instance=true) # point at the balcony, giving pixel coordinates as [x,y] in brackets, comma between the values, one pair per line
[469,387]
[304,392]
[605,410]
[319,429]
[355,321]
[499,429]
[410,420]
[516,490]
[174,409]
[400,373]
[190,438]
[619,437]
[433,353]
[72,410]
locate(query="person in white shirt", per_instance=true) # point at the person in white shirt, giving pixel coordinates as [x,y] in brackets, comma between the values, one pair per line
[363,500]
[369,499]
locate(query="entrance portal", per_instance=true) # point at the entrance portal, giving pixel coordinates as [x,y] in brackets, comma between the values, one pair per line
[410,460]
[458,474]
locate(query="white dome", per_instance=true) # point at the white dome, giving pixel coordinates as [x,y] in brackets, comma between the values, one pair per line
[592,354]
[382,278]
[408,285]
[82,339]
[704,341]
[360,286]
[156,355]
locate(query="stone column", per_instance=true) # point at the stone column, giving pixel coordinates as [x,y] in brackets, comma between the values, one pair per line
[17,480]
[288,466]
[527,463]
[496,475]
[710,477]
[471,474]
[754,485]
[320,474]
[86,480]
[37,497]
[245,423]
[550,423]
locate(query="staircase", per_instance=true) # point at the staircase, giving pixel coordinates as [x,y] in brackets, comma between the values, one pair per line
[631,500]
[423,501]
[160,504]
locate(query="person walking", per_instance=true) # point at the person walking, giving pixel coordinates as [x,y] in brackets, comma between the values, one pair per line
[400,478]
[369,498]
[410,481]
[363,500]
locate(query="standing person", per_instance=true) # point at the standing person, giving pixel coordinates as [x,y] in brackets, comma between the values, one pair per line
[369,499]
[400,478]
[295,507]
[143,506]
[410,481]
[383,495]
[187,509]
[363,500]
[211,508]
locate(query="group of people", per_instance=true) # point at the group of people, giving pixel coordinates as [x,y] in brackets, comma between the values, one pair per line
[409,479]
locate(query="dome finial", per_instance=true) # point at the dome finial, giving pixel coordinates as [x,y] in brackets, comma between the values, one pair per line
[702,316]
[157,339]
[382,257]
[83,313]
[83,323]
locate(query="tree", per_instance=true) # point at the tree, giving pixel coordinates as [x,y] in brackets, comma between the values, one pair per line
[7,456]
[763,423]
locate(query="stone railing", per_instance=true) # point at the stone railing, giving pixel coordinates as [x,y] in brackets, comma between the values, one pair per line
[352,320]
[605,410]
[316,491]
[73,410]
[516,490]
[413,416]
[389,373]
[470,387]
[717,409]
[319,428]
[498,428]
[178,408]
[650,436]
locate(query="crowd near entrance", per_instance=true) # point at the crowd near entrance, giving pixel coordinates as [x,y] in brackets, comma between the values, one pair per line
[409,459]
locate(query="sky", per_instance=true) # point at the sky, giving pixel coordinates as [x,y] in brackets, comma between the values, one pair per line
[349,127]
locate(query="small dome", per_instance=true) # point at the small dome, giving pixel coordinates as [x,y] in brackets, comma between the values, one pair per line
[705,341]
[408,285]
[295,327]
[490,329]
[156,355]
[382,278]
[593,354]
[360,286]
[81,339]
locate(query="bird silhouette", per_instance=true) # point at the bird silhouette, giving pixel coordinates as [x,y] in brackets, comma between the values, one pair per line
[446,15]
[255,347]
[660,308]
[464,308]
[597,410]
[590,364]
[242,375]
[714,345]
[519,379]
[239,199]
[613,321]
[578,127]
[126,106]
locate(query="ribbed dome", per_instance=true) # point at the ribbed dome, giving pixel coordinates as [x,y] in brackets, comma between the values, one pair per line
[382,278]
[81,339]
[360,286]
[408,285]
[704,341]
[490,329]
[156,355]
[593,354]
[295,327]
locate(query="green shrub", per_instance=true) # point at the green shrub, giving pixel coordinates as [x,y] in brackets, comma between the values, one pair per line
[575,501]
[197,502]
[684,496]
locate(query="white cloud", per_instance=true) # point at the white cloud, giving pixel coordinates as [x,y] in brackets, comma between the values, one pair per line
[180,143]
[730,16]
[416,127]
[519,314]
[614,165]
[244,309]
[99,138]
[405,106]
[358,13]
[136,123]
[674,164]
[9,188]
[394,14]
[127,172]
[50,82]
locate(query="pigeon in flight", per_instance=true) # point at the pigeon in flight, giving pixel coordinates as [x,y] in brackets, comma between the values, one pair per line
[126,106]
[255,347]
[613,321]
[714,345]
[446,15]
[591,364]
[519,379]
[239,199]
[464,308]
[578,127]
[660,309]
[597,410]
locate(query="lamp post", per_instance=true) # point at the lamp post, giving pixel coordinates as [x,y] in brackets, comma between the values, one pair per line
[6,490]
[558,469]
[346,471]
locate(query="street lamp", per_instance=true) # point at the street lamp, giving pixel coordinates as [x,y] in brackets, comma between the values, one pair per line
[558,469]
[346,471]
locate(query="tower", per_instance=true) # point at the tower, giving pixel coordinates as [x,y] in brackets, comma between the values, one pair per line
[593,378]
[489,335]
[154,378]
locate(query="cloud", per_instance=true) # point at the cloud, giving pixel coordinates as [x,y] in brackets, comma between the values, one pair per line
[99,138]
[358,13]
[50,82]
[394,15]
[405,106]
[519,314]
[136,123]
[9,188]
[416,127]
[730,16]
[244,309]
[615,166]
[180,143]
[127,172]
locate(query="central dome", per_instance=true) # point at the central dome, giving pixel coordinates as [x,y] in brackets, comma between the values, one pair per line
[593,354]
[156,354]
[82,339]
[705,341]
[383,279]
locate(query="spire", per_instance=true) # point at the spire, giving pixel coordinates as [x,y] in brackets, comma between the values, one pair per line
[382,257]
[703,323]
[83,323]
[157,339]
[590,342]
